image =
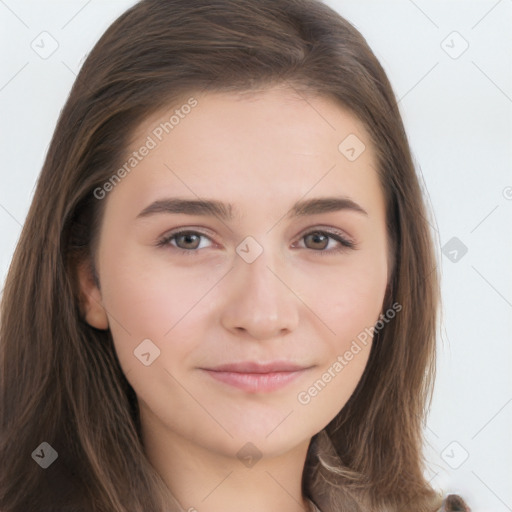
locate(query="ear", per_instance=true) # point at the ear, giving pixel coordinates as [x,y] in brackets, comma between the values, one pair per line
[91,304]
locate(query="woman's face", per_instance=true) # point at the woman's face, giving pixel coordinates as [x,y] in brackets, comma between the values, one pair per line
[251,287]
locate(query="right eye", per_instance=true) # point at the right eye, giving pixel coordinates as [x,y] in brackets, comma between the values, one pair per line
[187,238]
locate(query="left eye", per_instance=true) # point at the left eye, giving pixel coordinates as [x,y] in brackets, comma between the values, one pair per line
[322,238]
[319,239]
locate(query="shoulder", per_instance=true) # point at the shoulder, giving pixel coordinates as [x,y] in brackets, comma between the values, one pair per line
[454,503]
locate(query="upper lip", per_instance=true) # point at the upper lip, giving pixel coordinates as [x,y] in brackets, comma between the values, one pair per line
[254,367]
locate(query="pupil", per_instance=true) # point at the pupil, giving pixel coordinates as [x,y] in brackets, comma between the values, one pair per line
[189,238]
[317,236]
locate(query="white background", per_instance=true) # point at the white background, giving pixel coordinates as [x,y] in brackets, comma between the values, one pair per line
[457,108]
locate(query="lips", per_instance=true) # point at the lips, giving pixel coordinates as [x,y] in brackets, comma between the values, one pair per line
[254,367]
[254,377]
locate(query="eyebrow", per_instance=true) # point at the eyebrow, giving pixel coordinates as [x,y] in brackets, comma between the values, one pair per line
[225,211]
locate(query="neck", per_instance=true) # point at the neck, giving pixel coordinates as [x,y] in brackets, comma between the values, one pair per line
[204,481]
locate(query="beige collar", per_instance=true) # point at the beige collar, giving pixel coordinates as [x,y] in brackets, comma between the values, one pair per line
[312,507]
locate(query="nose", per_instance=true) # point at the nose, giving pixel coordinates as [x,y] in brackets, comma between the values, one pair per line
[258,300]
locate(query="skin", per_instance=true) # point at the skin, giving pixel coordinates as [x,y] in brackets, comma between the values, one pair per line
[261,152]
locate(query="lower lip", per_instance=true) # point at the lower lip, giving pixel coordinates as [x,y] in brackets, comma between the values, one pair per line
[256,382]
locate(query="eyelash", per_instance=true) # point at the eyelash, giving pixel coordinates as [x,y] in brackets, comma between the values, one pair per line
[345,243]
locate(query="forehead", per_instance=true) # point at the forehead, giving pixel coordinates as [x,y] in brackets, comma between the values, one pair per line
[302,117]
[275,142]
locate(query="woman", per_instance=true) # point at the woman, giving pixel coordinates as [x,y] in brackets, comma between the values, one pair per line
[283,362]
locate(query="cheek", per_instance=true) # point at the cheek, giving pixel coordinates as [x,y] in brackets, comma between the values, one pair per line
[330,388]
[153,303]
[348,299]
[350,309]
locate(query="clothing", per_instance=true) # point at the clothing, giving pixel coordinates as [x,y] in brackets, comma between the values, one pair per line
[313,507]
[452,503]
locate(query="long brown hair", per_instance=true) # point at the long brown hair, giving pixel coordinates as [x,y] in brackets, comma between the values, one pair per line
[61,382]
